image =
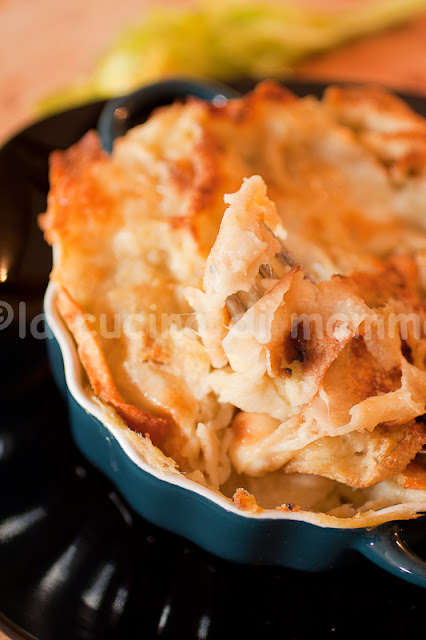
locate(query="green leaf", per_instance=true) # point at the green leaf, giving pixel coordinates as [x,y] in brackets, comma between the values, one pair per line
[223,40]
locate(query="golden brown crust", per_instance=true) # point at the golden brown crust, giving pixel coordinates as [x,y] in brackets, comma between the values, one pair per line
[414,476]
[247,108]
[385,124]
[197,179]
[74,196]
[372,107]
[289,507]
[245,501]
[364,374]
[361,459]
[396,277]
[316,349]
[100,377]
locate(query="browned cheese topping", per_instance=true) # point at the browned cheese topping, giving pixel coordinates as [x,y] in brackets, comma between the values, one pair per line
[312,399]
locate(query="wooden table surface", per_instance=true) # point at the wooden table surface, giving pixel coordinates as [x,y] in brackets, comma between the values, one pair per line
[46,44]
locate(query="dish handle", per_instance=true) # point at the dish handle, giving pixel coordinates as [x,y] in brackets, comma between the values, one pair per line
[386,547]
[122,113]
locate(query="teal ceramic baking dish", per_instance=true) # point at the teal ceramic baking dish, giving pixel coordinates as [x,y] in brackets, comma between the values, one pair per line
[172,501]
[180,505]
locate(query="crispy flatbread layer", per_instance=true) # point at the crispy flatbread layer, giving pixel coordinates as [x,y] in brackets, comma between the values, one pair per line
[100,377]
[324,373]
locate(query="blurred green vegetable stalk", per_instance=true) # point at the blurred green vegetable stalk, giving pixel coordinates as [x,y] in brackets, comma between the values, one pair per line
[226,39]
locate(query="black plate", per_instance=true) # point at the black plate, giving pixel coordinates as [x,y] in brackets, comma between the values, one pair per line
[75,562]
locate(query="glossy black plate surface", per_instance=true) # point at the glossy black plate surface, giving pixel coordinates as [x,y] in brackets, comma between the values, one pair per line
[75,562]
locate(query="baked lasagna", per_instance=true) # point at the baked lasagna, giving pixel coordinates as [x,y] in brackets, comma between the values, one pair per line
[307,395]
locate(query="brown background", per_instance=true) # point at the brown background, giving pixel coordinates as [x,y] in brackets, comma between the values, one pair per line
[45,44]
